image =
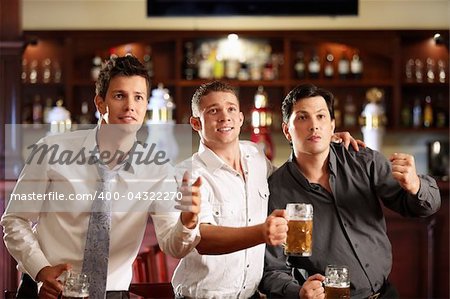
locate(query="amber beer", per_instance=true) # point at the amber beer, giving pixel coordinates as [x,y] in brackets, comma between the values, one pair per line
[337,282]
[337,292]
[299,235]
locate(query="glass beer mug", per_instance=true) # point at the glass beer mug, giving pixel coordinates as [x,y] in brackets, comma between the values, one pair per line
[337,282]
[76,286]
[299,235]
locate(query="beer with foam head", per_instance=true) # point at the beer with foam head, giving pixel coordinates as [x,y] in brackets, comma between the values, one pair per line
[337,282]
[299,235]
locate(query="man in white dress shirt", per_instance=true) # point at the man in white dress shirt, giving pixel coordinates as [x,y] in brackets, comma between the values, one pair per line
[56,243]
[228,261]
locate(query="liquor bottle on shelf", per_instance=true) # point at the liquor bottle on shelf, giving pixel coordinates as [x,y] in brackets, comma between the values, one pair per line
[406,115]
[418,70]
[33,77]
[300,65]
[37,110]
[417,113]
[218,68]
[343,66]
[46,70]
[232,68]
[441,71]
[328,69]
[205,66]
[314,66]
[261,122]
[356,66]
[349,112]
[337,113]
[57,72]
[268,71]
[428,113]
[409,69]
[84,119]
[190,61]
[441,112]
[48,107]
[24,74]
[430,70]
[243,74]
[148,61]
[96,67]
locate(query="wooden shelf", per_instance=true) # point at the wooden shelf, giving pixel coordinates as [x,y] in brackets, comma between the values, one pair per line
[382,53]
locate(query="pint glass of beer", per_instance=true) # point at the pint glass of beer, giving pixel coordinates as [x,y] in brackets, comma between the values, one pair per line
[299,235]
[337,282]
[76,286]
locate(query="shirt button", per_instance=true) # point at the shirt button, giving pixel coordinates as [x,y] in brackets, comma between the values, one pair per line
[367,265]
[217,213]
[356,245]
[249,220]
[376,284]
[248,266]
[345,224]
[244,287]
[237,174]
[246,172]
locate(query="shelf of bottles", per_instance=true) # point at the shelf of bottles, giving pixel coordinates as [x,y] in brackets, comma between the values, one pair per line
[42,79]
[233,58]
[425,86]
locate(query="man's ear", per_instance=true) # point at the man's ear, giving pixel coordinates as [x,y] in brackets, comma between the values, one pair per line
[333,126]
[100,104]
[195,122]
[286,133]
[241,118]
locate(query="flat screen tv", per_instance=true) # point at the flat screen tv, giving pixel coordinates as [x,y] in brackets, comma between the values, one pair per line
[172,8]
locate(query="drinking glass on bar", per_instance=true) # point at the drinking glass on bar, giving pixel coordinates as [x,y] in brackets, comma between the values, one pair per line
[337,282]
[76,286]
[300,224]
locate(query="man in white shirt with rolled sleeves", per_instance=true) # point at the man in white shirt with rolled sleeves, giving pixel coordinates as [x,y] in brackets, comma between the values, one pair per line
[57,241]
[234,227]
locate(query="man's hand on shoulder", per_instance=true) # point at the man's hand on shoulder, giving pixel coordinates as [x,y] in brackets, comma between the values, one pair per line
[51,287]
[347,139]
[313,288]
[275,228]
[190,201]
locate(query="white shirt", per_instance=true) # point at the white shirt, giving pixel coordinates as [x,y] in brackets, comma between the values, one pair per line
[227,200]
[60,233]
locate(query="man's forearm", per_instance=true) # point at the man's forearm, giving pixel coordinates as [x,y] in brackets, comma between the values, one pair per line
[221,239]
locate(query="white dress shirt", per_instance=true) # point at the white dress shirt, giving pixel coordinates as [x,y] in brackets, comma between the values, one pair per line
[227,200]
[59,233]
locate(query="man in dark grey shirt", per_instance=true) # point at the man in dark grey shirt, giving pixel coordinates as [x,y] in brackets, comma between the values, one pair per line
[345,188]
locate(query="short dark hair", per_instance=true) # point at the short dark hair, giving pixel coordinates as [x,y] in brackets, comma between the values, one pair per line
[302,92]
[127,65]
[205,89]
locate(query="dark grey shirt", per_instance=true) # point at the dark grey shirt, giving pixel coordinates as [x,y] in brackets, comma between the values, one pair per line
[349,226]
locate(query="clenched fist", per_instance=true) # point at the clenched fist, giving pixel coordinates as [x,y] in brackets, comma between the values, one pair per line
[404,171]
[275,228]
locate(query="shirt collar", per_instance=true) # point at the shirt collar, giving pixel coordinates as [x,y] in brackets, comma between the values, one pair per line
[90,144]
[297,174]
